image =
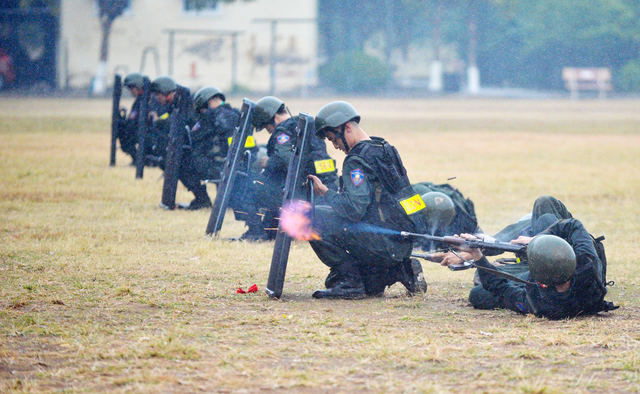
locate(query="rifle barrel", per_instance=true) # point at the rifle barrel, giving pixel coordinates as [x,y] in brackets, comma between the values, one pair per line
[471,243]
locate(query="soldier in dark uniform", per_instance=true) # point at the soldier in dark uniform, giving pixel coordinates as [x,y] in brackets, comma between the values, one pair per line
[208,139]
[163,90]
[268,189]
[128,134]
[358,228]
[210,136]
[566,275]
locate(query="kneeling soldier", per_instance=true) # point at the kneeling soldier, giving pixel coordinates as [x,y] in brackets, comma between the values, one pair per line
[359,226]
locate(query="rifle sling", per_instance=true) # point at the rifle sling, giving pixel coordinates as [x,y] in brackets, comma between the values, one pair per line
[495,272]
[501,274]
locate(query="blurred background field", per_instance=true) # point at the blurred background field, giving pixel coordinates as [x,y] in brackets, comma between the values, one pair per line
[102,290]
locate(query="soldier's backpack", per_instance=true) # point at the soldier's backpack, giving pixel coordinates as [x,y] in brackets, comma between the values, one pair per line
[465,220]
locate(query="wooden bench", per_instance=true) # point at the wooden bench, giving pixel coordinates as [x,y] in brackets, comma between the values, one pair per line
[577,79]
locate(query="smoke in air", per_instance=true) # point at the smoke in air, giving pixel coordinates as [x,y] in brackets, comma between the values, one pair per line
[295,221]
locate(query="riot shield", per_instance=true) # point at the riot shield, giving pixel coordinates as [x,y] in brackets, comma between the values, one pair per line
[177,121]
[304,131]
[116,118]
[231,165]
[143,125]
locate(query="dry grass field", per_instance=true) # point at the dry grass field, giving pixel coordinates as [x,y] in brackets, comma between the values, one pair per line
[103,291]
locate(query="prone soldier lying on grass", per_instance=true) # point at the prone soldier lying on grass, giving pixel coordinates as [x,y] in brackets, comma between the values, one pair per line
[564,275]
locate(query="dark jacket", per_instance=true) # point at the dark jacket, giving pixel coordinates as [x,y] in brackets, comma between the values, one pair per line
[585,294]
[372,173]
[210,139]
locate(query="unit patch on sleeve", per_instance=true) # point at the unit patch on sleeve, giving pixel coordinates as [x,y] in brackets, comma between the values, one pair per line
[282,138]
[357,176]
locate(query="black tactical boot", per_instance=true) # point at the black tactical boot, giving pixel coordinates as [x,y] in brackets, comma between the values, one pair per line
[197,203]
[346,289]
[333,278]
[255,234]
[256,231]
[412,277]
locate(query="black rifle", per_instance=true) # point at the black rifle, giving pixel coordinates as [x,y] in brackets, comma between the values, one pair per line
[143,126]
[231,165]
[295,178]
[454,242]
[117,118]
[476,243]
[177,121]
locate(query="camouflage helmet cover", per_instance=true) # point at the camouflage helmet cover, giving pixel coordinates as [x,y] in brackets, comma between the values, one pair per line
[266,109]
[439,210]
[333,115]
[203,95]
[164,85]
[552,260]
[134,80]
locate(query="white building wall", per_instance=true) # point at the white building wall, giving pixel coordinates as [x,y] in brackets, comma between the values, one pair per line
[199,60]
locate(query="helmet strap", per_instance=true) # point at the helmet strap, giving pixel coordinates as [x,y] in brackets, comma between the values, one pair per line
[344,140]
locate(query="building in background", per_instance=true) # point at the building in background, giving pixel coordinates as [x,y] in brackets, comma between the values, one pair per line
[240,45]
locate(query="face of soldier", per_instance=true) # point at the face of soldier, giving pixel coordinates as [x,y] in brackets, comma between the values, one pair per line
[165,98]
[162,99]
[135,91]
[335,140]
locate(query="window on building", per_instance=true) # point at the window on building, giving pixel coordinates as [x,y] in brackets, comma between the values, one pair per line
[201,5]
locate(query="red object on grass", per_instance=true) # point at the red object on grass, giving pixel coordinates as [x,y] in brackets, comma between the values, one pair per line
[252,289]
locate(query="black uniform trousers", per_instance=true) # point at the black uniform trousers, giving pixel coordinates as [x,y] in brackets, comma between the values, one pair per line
[373,257]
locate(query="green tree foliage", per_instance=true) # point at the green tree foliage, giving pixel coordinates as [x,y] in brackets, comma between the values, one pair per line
[521,43]
[527,43]
[355,71]
[628,78]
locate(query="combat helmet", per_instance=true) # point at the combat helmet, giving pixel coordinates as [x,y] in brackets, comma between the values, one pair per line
[203,95]
[421,188]
[552,260]
[266,109]
[163,84]
[439,210]
[134,80]
[333,115]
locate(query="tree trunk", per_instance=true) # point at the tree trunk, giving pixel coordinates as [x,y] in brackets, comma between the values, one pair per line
[99,87]
[473,74]
[435,69]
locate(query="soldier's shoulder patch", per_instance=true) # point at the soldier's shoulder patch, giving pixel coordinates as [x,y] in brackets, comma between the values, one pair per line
[357,176]
[282,138]
[133,114]
[196,126]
